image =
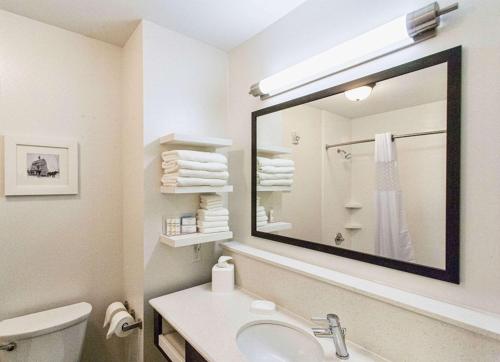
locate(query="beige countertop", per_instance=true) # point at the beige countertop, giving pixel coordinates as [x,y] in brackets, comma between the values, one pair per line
[210,322]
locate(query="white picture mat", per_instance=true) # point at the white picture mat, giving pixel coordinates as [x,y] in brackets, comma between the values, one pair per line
[17,181]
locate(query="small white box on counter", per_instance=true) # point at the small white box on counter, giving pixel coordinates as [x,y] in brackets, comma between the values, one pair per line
[188,229]
[188,220]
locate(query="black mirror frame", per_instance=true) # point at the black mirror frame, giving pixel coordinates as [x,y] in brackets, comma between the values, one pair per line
[451,273]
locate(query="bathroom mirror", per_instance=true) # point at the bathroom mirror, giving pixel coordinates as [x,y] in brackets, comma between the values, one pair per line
[368,170]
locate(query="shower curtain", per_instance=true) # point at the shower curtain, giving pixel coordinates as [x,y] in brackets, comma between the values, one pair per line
[392,238]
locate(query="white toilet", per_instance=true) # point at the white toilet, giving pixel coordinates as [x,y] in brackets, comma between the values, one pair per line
[54,335]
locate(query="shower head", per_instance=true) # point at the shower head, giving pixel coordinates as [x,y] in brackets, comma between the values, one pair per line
[344,154]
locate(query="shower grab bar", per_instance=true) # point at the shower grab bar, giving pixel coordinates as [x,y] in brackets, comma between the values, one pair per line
[393,138]
[9,347]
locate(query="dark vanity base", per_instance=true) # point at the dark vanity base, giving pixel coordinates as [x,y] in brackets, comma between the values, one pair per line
[192,355]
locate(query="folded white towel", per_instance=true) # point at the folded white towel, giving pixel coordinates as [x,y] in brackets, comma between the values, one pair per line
[215,202]
[192,181]
[196,156]
[215,212]
[279,162]
[173,166]
[261,208]
[212,202]
[274,169]
[184,172]
[261,223]
[261,218]
[274,176]
[213,218]
[261,213]
[213,230]
[276,182]
[211,224]
[211,207]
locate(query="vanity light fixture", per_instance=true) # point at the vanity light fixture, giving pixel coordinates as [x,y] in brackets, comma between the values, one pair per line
[360,93]
[397,34]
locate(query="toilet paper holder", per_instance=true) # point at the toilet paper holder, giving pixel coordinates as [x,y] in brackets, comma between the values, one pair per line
[136,324]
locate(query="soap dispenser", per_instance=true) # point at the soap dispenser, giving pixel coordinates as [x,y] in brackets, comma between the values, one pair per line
[223,276]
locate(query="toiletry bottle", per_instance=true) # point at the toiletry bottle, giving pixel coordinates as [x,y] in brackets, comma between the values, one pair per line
[169,227]
[174,226]
[223,276]
[177,226]
[271,215]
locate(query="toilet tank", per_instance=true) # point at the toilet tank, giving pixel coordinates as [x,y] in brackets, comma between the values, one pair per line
[54,335]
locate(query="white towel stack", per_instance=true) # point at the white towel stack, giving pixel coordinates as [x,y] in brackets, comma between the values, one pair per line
[212,217]
[275,171]
[261,216]
[194,168]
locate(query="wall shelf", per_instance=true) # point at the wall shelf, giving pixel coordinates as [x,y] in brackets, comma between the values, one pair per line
[195,189]
[190,140]
[261,188]
[353,205]
[275,226]
[179,241]
[353,226]
[274,150]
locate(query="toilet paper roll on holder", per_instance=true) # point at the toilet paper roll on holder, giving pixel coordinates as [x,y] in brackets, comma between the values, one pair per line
[136,324]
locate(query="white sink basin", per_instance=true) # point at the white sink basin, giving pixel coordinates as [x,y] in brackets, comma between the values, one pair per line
[278,342]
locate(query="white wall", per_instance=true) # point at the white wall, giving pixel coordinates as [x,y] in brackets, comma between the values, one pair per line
[57,250]
[320,24]
[336,180]
[294,207]
[185,90]
[133,181]
[270,129]
[306,190]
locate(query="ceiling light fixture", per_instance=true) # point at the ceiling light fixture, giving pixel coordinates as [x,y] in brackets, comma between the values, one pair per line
[399,33]
[360,93]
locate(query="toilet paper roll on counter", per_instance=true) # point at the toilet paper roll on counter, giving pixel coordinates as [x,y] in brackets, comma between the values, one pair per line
[113,308]
[117,322]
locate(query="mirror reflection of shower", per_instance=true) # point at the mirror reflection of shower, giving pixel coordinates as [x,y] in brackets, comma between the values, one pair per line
[343,153]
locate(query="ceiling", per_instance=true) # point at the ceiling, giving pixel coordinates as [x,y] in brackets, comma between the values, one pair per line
[222,23]
[412,89]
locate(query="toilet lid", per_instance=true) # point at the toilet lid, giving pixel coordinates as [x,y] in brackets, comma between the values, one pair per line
[37,324]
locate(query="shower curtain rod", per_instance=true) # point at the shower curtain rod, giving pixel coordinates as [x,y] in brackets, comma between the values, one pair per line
[393,138]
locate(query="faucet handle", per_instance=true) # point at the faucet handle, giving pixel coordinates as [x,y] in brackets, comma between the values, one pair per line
[319,319]
[332,319]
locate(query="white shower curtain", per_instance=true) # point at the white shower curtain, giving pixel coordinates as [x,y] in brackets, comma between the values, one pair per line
[392,239]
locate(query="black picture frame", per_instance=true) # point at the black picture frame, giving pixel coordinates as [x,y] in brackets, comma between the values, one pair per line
[451,273]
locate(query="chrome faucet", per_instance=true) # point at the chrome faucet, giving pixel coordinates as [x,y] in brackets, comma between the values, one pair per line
[334,331]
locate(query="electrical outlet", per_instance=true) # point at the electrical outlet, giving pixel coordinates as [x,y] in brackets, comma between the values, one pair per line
[196,253]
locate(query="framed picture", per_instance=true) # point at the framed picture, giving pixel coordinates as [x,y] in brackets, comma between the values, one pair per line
[40,166]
